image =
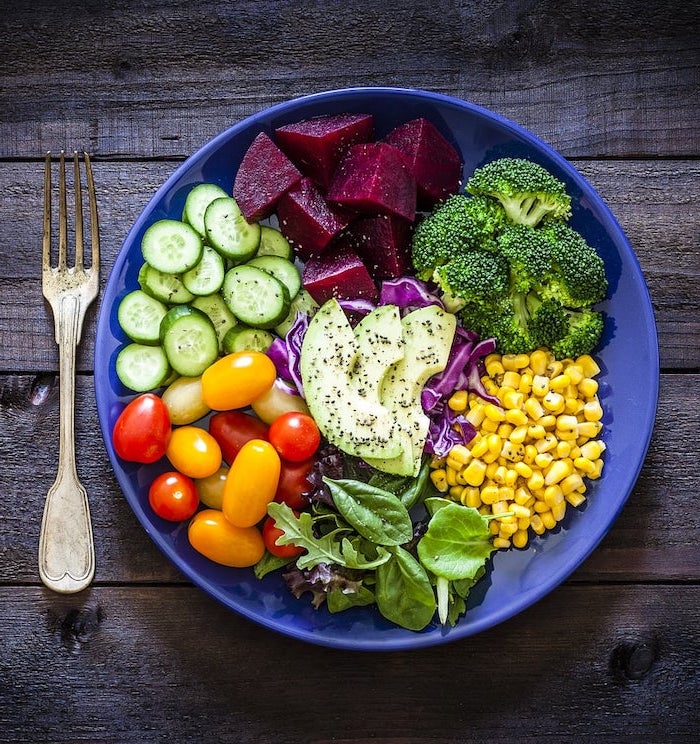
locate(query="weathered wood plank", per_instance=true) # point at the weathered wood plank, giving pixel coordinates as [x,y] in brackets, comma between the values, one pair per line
[654,539]
[593,79]
[656,203]
[115,665]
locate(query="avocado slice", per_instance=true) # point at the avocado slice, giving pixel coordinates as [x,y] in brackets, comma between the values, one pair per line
[342,372]
[428,335]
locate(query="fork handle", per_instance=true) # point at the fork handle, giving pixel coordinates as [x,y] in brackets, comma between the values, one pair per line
[66,548]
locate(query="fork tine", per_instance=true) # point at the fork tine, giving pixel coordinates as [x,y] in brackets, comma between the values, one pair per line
[94,227]
[78,213]
[46,248]
[62,214]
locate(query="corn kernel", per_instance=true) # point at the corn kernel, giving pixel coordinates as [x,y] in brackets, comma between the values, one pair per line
[475,472]
[559,511]
[588,387]
[500,542]
[451,476]
[560,383]
[589,429]
[439,479]
[479,447]
[575,498]
[513,399]
[573,405]
[558,470]
[546,444]
[461,454]
[549,421]
[523,469]
[566,423]
[494,413]
[571,483]
[548,520]
[522,512]
[525,386]
[493,442]
[553,495]
[511,478]
[537,524]
[493,365]
[575,373]
[489,426]
[538,362]
[516,417]
[489,385]
[553,402]
[491,470]
[534,409]
[471,497]
[505,494]
[519,434]
[536,431]
[540,506]
[515,361]
[592,449]
[588,365]
[494,527]
[520,539]
[489,494]
[555,367]
[512,451]
[458,401]
[563,449]
[511,379]
[504,430]
[535,481]
[592,411]
[508,529]
[455,492]
[540,385]
[500,475]
[475,416]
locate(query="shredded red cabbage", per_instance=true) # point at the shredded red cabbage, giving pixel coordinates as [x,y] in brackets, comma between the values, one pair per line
[286,353]
[408,293]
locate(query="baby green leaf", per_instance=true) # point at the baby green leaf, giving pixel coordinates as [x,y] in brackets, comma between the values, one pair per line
[456,544]
[376,514]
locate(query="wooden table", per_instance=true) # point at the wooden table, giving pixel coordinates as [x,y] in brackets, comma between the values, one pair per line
[143,656]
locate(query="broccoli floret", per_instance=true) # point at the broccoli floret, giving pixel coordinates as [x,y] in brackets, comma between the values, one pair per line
[527,191]
[583,335]
[473,277]
[529,253]
[460,223]
[577,276]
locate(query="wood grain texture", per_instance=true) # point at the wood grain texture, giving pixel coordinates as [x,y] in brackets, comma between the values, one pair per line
[156,664]
[593,78]
[656,203]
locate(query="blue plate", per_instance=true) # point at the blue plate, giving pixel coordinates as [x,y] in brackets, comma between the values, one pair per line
[629,380]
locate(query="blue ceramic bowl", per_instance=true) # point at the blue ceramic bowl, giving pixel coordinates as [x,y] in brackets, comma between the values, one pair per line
[628,357]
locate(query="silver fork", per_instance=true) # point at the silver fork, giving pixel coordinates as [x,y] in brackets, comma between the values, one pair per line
[66,549]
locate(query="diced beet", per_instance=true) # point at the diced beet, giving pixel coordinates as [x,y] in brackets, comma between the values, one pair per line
[338,272]
[264,175]
[434,162]
[307,220]
[383,244]
[317,145]
[374,178]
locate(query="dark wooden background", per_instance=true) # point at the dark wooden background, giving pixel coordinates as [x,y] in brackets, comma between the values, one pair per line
[143,656]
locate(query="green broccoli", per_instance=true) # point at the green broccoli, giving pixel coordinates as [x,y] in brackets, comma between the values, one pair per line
[584,332]
[460,223]
[529,253]
[577,274]
[527,191]
[472,277]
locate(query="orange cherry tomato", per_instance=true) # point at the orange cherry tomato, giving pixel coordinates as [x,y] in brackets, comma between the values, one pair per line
[237,379]
[212,535]
[194,452]
[251,483]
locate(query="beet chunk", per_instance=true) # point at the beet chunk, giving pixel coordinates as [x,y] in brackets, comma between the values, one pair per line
[434,162]
[338,272]
[383,244]
[317,145]
[307,220]
[374,178]
[264,175]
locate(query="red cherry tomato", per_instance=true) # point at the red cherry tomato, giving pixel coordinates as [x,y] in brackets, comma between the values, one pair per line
[143,429]
[295,483]
[270,533]
[173,496]
[295,436]
[232,429]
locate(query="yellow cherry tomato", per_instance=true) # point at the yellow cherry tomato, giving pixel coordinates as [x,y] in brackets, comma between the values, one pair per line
[251,483]
[184,401]
[194,452]
[237,379]
[211,489]
[212,535]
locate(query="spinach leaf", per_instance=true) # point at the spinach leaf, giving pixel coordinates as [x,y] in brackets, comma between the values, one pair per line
[376,514]
[410,491]
[338,600]
[457,542]
[403,592]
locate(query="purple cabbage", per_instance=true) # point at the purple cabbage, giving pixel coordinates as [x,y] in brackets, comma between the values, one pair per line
[286,353]
[408,293]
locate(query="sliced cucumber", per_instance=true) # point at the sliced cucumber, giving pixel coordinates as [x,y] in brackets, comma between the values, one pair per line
[245,338]
[218,312]
[255,297]
[228,232]
[302,303]
[208,275]
[273,243]
[139,316]
[189,340]
[196,203]
[171,246]
[142,368]
[281,269]
[167,288]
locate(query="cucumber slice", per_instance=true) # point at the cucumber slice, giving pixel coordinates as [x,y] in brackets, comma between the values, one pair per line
[139,316]
[255,297]
[273,243]
[281,269]
[189,340]
[167,288]
[142,368]
[171,246]
[302,303]
[207,276]
[228,232]
[196,203]
[245,338]
[219,314]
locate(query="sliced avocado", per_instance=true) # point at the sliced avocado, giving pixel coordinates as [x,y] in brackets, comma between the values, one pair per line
[342,372]
[428,335]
